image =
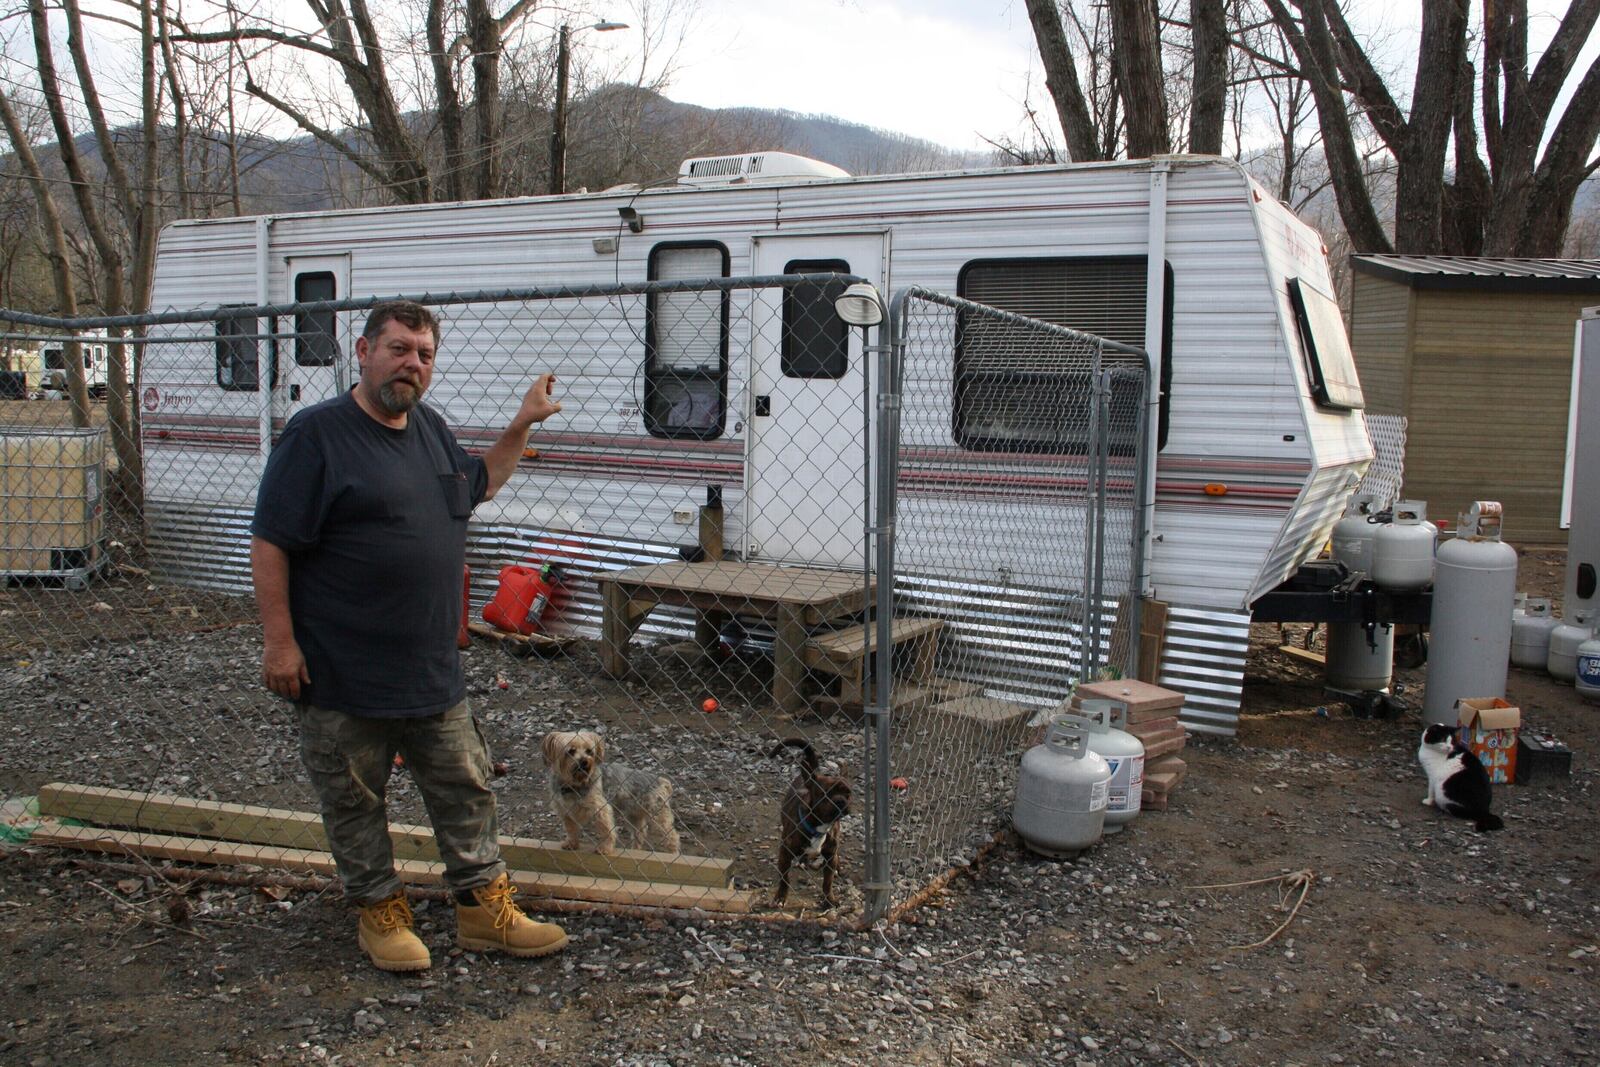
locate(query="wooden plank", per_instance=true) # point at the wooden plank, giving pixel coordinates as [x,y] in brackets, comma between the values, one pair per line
[1304,654]
[986,713]
[907,698]
[734,580]
[539,640]
[561,886]
[788,666]
[846,644]
[302,830]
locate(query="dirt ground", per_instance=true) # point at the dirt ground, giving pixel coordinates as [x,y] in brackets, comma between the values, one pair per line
[1416,939]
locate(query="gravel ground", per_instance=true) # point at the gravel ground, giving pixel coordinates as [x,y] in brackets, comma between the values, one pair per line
[1417,938]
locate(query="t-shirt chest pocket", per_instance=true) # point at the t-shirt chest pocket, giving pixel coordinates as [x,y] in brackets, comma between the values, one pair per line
[457,494]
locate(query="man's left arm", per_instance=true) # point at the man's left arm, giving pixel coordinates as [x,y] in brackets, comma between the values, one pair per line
[538,404]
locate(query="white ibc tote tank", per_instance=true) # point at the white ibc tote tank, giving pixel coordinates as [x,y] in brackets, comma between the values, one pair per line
[1474,587]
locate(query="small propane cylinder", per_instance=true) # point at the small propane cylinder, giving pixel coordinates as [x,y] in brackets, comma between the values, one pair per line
[1061,793]
[1402,550]
[1355,535]
[1562,663]
[1355,664]
[1530,634]
[1123,753]
[1473,590]
[1587,670]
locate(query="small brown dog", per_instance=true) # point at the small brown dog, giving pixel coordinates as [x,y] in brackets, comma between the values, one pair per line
[588,791]
[809,821]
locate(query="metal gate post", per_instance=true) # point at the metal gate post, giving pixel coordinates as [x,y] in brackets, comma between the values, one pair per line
[890,355]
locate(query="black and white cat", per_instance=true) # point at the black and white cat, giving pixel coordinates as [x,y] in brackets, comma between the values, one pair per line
[1457,783]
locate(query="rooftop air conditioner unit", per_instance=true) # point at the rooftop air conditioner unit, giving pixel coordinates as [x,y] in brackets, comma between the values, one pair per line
[755,167]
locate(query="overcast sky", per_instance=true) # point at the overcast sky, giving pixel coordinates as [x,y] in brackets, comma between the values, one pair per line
[950,71]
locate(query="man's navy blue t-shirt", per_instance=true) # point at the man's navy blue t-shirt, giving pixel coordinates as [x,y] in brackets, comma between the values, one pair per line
[374,521]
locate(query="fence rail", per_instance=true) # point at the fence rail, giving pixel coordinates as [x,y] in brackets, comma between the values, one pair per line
[925,533]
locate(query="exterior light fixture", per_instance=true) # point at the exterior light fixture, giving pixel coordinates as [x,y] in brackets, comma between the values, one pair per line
[860,305]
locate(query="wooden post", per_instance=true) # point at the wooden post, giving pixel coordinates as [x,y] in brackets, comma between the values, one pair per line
[788,659]
[623,614]
[708,624]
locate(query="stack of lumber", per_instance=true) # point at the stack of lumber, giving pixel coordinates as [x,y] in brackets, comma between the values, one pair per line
[1153,719]
[157,826]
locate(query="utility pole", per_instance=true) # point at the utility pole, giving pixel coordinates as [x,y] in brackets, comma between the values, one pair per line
[558,128]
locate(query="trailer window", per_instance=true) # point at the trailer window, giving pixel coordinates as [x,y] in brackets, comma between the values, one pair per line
[1332,367]
[238,358]
[686,344]
[315,343]
[815,339]
[1015,395]
[55,359]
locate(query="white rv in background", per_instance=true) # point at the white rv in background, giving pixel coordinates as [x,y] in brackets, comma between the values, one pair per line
[1261,441]
[52,358]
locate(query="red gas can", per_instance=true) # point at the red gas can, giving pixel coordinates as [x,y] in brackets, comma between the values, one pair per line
[522,599]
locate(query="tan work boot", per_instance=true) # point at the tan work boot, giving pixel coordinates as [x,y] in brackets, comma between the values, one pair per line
[496,924]
[384,933]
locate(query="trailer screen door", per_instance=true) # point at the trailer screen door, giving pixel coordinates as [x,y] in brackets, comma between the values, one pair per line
[807,472]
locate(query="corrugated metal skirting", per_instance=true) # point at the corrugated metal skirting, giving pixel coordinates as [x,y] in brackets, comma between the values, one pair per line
[1204,658]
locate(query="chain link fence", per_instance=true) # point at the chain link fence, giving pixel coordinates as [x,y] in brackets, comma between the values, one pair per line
[683,566]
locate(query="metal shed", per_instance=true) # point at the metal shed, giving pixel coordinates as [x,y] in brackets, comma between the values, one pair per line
[1477,355]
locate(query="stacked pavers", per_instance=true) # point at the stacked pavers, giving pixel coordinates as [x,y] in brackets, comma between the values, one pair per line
[1153,719]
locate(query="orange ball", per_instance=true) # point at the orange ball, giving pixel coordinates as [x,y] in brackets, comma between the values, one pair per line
[709,705]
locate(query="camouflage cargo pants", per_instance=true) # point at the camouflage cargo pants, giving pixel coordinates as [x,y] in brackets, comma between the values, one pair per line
[349,759]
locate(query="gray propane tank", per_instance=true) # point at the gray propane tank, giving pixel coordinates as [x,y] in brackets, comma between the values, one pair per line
[1123,753]
[1061,793]
[1586,670]
[1474,586]
[1352,664]
[1402,550]
[1562,663]
[1530,634]
[1355,534]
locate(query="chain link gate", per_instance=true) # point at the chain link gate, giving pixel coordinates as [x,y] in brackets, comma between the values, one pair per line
[1012,526]
[698,520]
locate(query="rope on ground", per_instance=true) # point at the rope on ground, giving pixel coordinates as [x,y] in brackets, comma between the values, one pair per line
[1287,883]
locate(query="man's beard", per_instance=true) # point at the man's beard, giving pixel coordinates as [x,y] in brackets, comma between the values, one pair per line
[395,402]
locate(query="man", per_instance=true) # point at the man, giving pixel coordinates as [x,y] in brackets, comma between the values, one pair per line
[357,555]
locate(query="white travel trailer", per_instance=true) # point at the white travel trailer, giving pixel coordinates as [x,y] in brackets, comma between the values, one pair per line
[1261,441]
[53,380]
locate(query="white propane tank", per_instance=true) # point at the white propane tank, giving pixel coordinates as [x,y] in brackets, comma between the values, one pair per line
[1061,793]
[1123,753]
[1530,634]
[1587,671]
[1353,664]
[1402,551]
[1474,587]
[1355,534]
[1562,663]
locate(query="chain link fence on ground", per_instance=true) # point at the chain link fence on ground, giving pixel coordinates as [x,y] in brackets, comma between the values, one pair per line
[684,565]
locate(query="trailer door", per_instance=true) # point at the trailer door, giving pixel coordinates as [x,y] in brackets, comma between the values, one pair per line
[315,362]
[806,447]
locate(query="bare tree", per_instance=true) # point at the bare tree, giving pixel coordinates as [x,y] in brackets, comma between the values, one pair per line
[1136,43]
[1208,33]
[1061,78]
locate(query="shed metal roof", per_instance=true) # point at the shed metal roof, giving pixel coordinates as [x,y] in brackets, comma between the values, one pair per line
[1483,274]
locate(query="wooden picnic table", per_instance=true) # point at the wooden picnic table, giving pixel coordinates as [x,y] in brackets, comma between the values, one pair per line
[793,599]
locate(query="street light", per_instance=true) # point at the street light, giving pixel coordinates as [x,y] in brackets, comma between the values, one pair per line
[558,130]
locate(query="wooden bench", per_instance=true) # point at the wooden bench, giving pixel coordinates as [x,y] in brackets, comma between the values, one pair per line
[848,653]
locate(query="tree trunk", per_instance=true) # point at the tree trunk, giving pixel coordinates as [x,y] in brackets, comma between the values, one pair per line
[60,257]
[1061,78]
[1420,155]
[484,32]
[1209,35]
[1136,42]
[444,85]
[1314,48]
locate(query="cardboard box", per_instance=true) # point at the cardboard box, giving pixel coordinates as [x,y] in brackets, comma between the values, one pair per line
[1488,726]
